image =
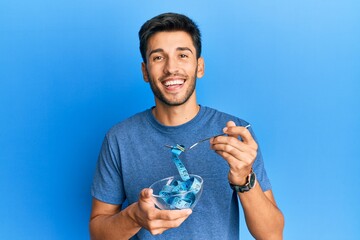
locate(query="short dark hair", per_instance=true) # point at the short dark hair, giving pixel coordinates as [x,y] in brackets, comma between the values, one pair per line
[168,22]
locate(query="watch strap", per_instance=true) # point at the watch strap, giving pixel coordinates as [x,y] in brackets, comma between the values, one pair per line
[251,181]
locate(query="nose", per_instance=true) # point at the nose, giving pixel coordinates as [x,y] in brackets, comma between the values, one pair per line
[171,66]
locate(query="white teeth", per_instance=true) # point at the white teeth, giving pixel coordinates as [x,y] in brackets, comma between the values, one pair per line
[173,82]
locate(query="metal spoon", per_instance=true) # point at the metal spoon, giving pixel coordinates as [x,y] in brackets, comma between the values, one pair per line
[205,139]
[202,140]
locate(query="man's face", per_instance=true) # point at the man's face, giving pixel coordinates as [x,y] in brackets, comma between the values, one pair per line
[172,67]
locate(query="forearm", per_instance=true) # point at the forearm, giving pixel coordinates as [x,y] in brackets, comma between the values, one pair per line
[263,218]
[117,226]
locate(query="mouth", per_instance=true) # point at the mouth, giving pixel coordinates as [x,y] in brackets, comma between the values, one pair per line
[173,83]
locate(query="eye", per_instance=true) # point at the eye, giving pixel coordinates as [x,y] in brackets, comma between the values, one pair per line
[157,58]
[183,56]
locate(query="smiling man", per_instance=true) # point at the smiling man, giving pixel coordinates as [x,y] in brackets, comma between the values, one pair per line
[133,157]
[174,67]
[171,68]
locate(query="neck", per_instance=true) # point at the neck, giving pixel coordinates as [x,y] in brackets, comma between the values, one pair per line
[175,115]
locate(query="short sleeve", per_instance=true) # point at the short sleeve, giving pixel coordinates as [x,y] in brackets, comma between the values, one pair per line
[107,182]
[258,166]
[260,172]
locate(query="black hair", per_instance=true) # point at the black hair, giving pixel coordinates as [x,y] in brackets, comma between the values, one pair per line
[168,22]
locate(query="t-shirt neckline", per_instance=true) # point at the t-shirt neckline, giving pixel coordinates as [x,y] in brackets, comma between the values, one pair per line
[174,129]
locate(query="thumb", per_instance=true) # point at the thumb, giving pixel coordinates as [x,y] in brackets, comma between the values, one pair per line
[146,194]
[229,124]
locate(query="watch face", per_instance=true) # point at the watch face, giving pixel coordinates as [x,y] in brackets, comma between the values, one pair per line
[252,180]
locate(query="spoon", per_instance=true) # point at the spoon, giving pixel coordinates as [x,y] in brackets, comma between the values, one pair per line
[202,140]
[205,139]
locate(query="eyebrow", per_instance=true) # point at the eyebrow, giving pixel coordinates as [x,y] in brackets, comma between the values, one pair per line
[183,49]
[177,49]
[156,51]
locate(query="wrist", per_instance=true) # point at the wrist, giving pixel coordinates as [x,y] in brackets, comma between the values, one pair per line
[130,213]
[247,186]
[240,179]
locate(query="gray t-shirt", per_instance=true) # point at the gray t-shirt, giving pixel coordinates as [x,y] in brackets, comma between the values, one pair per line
[133,156]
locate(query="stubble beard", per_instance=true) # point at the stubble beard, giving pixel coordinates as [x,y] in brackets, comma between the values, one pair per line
[176,102]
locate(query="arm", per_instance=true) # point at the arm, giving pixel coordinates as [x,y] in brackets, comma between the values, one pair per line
[108,222]
[263,218]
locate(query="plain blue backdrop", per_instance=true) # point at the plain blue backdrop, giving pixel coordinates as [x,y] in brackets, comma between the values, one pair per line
[69,70]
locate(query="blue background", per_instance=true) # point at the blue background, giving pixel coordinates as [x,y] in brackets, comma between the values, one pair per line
[69,70]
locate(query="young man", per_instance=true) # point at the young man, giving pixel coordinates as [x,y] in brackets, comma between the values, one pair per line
[133,155]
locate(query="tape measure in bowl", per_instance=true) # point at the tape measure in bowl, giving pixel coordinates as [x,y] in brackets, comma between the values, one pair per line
[174,191]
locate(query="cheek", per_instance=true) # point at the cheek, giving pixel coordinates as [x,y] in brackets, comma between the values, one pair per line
[155,70]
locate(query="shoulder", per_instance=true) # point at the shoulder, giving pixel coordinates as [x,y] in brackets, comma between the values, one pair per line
[132,122]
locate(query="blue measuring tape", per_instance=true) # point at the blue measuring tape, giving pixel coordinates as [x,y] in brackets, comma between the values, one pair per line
[172,192]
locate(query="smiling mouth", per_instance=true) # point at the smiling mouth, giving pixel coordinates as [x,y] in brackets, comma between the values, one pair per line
[170,83]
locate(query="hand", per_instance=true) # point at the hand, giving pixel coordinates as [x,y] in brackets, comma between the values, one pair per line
[240,155]
[155,220]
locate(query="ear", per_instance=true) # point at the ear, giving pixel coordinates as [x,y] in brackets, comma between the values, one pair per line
[200,67]
[144,72]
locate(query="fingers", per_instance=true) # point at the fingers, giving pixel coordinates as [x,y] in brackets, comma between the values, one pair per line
[236,155]
[170,215]
[158,226]
[239,153]
[232,130]
[155,220]
[166,219]
[231,143]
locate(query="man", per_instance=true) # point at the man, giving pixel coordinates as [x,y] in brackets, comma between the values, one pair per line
[133,155]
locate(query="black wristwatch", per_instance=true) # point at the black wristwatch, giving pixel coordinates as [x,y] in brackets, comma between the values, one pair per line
[251,181]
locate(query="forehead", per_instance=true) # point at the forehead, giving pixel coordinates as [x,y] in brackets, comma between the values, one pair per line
[170,40]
